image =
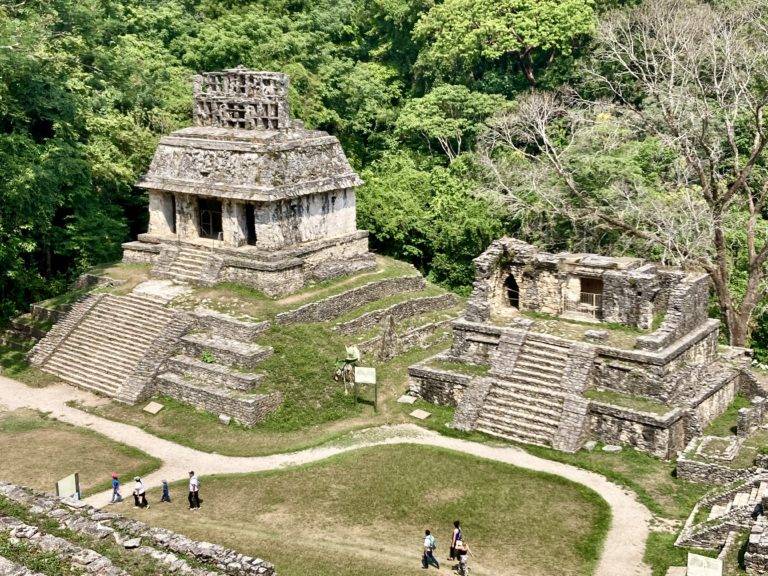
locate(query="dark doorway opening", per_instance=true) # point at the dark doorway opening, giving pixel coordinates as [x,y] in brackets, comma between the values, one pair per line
[250,223]
[512,291]
[210,218]
[173,213]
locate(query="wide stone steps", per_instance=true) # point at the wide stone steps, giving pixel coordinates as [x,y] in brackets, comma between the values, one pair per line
[513,417]
[543,407]
[518,435]
[105,348]
[200,371]
[536,378]
[527,389]
[225,351]
[555,371]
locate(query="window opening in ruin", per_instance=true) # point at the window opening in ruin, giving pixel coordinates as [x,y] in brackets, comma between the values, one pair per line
[173,213]
[513,291]
[591,298]
[250,223]
[210,217]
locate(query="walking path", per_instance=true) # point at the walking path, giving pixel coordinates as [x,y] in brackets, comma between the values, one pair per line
[624,544]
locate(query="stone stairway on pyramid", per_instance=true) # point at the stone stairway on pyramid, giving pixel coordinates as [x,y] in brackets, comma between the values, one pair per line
[533,392]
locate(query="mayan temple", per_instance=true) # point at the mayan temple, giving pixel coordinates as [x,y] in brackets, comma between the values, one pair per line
[249,195]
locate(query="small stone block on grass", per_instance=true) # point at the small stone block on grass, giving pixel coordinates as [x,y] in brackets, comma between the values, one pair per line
[677,571]
[407,399]
[224,419]
[703,566]
[611,448]
[132,543]
[589,446]
[421,414]
[153,407]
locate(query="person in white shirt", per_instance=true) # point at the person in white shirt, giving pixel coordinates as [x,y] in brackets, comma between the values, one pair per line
[429,551]
[194,491]
[139,494]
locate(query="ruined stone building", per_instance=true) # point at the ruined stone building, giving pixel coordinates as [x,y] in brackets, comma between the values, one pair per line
[245,195]
[581,345]
[249,195]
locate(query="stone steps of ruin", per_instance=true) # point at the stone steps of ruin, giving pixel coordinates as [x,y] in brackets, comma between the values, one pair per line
[516,435]
[107,345]
[536,378]
[188,265]
[216,373]
[555,370]
[545,407]
[527,391]
[226,351]
[506,415]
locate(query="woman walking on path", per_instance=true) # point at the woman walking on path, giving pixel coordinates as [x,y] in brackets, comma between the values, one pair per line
[166,497]
[194,491]
[140,494]
[455,537]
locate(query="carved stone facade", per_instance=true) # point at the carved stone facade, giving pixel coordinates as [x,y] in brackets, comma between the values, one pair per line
[575,342]
[272,201]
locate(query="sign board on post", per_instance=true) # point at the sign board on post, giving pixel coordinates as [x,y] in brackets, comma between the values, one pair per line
[365,375]
[69,487]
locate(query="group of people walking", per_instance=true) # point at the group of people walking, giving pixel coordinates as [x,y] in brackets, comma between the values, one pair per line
[140,492]
[459,550]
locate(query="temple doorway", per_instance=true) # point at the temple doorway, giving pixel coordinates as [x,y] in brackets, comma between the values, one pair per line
[210,218]
[512,291]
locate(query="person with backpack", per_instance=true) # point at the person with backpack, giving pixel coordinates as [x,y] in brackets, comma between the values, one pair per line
[116,496]
[455,537]
[430,545]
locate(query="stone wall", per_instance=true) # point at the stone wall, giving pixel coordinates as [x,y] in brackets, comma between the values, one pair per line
[474,342]
[687,309]
[751,418]
[468,410]
[271,282]
[399,311]
[437,386]
[175,551]
[628,296]
[573,420]
[420,336]
[140,252]
[228,326]
[661,436]
[707,472]
[61,330]
[248,409]
[335,306]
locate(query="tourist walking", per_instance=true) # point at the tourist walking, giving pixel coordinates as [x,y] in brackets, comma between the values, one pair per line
[116,496]
[194,491]
[428,558]
[455,537]
[166,497]
[139,494]
[463,552]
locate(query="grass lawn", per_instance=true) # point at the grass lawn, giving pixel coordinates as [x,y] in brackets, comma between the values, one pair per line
[38,451]
[13,363]
[364,513]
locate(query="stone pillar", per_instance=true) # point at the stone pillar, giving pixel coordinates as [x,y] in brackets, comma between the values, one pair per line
[233,223]
[187,217]
[160,213]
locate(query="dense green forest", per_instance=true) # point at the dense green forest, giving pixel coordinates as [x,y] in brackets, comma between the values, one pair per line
[455,112]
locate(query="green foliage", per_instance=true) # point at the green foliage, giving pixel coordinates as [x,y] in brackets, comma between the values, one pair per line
[429,215]
[464,39]
[451,115]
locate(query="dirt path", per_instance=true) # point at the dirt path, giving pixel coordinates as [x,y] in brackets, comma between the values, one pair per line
[624,544]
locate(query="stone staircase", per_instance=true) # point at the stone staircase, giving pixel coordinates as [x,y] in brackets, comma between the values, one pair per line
[525,402]
[187,264]
[213,370]
[104,342]
[729,510]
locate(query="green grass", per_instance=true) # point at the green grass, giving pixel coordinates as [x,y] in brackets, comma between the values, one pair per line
[725,424]
[38,451]
[13,363]
[364,513]
[628,401]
